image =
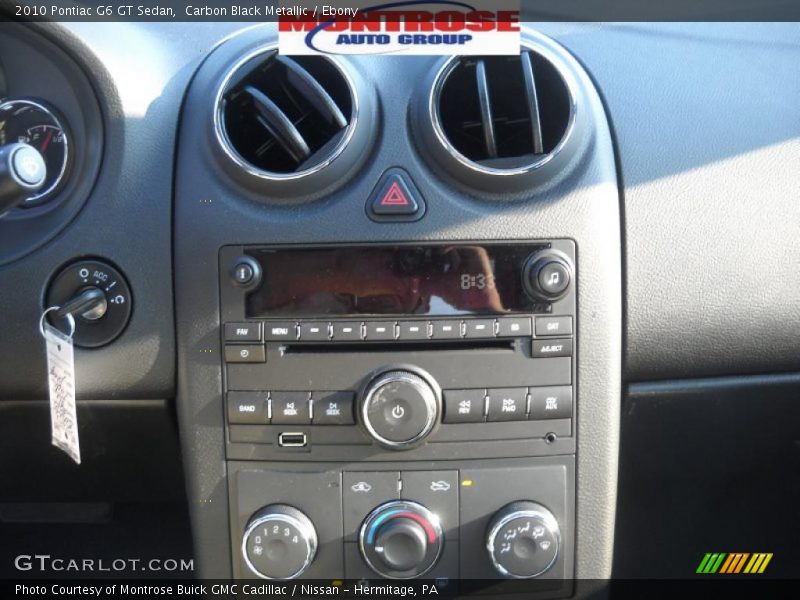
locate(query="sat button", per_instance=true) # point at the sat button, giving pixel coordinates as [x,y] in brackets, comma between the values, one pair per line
[395,198]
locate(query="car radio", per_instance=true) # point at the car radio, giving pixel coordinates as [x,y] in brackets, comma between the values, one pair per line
[372,381]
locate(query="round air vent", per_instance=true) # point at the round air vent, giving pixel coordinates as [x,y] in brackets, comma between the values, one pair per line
[283,119]
[504,124]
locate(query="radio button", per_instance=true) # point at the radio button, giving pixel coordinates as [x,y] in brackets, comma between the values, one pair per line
[550,347]
[280,332]
[347,332]
[333,408]
[514,327]
[242,332]
[413,330]
[553,326]
[314,332]
[507,404]
[290,408]
[446,330]
[479,328]
[247,408]
[551,402]
[380,330]
[464,406]
[249,353]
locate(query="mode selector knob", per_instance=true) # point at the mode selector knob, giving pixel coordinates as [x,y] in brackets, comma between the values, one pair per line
[401,540]
[523,540]
[280,542]
[547,275]
[400,408]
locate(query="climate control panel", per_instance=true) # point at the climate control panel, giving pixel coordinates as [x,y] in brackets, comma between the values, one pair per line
[487,520]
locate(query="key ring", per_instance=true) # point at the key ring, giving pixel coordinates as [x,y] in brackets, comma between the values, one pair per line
[70,320]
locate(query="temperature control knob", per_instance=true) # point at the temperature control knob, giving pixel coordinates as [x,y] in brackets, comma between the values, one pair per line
[401,540]
[280,542]
[400,408]
[547,275]
[523,540]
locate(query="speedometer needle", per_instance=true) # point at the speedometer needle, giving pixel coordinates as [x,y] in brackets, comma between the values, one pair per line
[46,142]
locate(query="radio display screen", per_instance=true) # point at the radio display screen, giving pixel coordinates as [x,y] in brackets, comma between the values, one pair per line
[391,280]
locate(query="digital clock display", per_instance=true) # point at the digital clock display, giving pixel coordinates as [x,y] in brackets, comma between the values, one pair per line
[398,280]
[477,281]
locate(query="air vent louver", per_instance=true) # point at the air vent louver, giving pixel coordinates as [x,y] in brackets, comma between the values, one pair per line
[503,112]
[285,116]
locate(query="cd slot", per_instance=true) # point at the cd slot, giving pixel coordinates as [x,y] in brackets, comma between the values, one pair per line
[396,346]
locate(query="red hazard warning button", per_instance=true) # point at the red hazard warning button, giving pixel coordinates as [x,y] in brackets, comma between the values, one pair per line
[395,198]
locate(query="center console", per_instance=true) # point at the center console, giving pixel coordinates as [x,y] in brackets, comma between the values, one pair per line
[397,361]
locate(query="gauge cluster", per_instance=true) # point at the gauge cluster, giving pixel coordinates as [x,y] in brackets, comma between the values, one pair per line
[48,109]
[33,122]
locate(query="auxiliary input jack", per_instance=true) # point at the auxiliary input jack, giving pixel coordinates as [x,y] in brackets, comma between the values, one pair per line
[551,437]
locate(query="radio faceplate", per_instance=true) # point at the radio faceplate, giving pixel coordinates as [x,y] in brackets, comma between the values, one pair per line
[489,327]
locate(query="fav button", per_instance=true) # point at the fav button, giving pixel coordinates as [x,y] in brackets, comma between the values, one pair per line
[507,404]
[242,332]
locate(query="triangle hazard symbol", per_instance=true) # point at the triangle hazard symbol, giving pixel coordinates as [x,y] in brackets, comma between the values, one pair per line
[394,197]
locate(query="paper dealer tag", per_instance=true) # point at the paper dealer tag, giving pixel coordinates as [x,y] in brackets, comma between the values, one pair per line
[61,381]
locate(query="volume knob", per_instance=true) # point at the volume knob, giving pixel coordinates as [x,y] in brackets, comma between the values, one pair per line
[400,408]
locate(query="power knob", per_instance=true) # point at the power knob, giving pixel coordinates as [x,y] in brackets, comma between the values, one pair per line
[401,540]
[400,408]
[279,542]
[523,540]
[547,275]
